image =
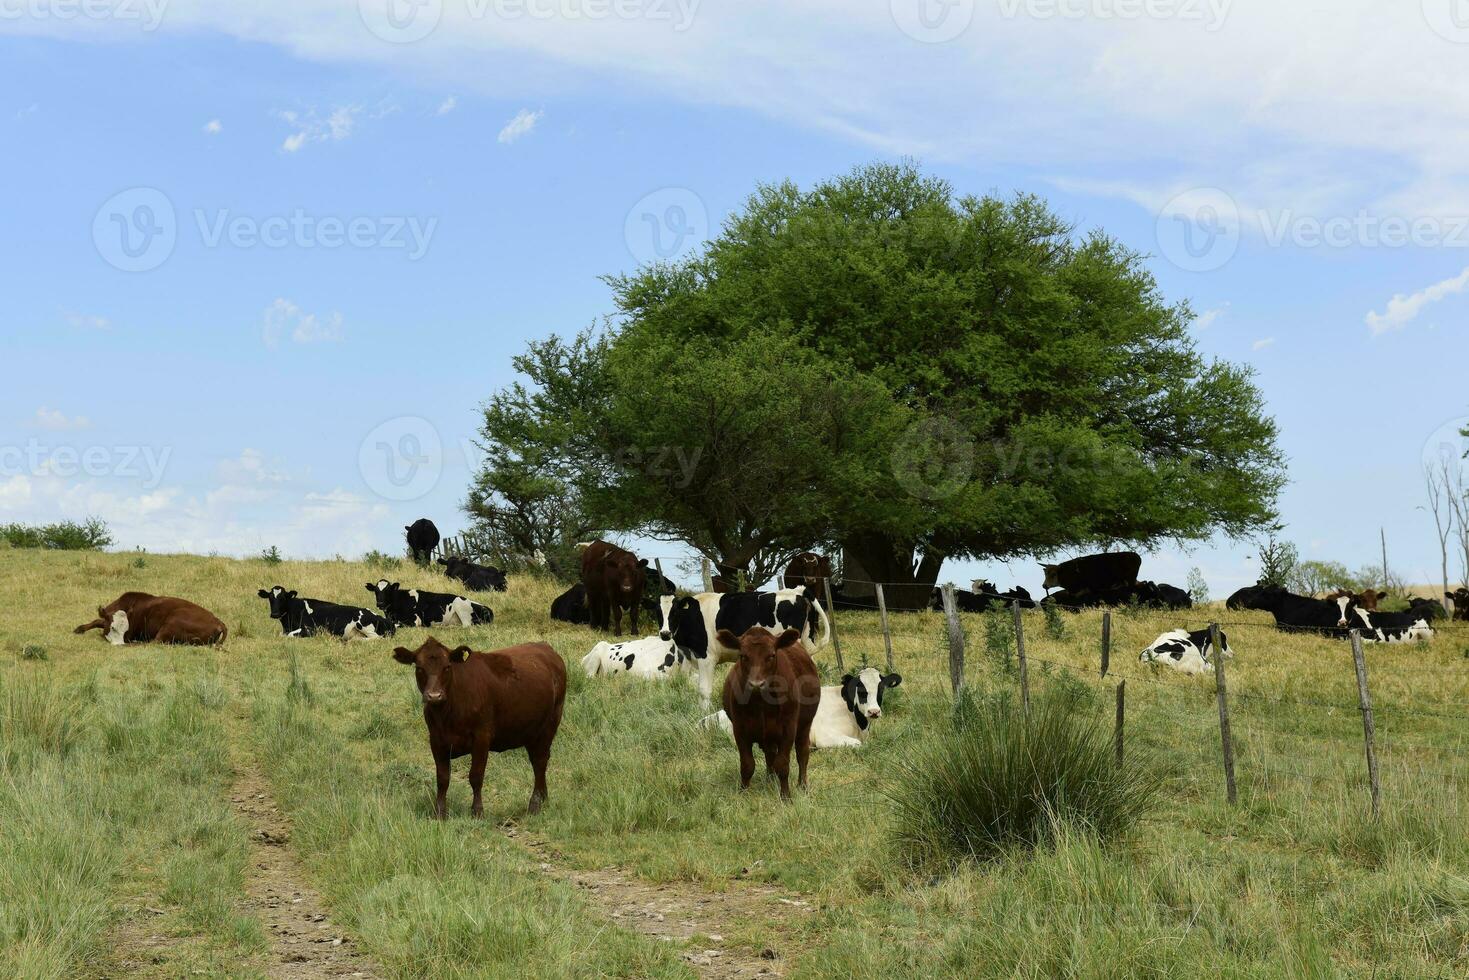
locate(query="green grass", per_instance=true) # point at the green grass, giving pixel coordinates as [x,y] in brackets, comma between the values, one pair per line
[1294,881]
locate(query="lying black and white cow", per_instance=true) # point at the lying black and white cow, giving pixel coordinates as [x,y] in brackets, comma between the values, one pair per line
[692,622]
[415,607]
[477,578]
[1187,651]
[307,617]
[845,713]
[651,657]
[1386,627]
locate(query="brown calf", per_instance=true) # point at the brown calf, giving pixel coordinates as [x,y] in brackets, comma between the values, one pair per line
[812,571]
[614,582]
[137,617]
[475,703]
[1459,598]
[770,698]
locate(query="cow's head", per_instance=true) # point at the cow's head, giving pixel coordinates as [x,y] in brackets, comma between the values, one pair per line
[279,598]
[1051,582]
[672,612]
[1350,610]
[758,666]
[1460,600]
[622,575]
[863,692]
[432,667]
[383,590]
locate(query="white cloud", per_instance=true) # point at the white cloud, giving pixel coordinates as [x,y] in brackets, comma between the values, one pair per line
[312,127]
[86,321]
[251,467]
[447,106]
[1208,318]
[214,127]
[1263,343]
[285,319]
[15,492]
[29,110]
[54,421]
[523,123]
[1402,310]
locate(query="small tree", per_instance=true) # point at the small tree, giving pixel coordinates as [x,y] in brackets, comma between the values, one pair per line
[1198,589]
[1439,478]
[1278,559]
[1316,577]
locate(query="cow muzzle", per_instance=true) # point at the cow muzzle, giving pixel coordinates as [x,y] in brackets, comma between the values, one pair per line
[433,697]
[664,635]
[874,712]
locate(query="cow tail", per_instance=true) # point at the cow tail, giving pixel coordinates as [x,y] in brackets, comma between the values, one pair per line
[224,632]
[825,624]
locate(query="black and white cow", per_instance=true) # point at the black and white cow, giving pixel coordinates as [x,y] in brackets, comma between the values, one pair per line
[1386,627]
[478,578]
[415,607]
[307,617]
[693,621]
[845,713]
[1187,651]
[651,657]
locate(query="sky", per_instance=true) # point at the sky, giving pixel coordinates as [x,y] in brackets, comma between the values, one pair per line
[266,260]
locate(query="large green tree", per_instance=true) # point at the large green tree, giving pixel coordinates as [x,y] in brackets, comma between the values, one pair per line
[1030,388]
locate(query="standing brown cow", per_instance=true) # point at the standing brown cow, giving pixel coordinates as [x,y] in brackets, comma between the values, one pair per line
[811,570]
[770,697]
[614,582]
[475,703]
[137,617]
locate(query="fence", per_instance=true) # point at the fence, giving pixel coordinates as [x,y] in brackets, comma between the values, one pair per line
[1365,732]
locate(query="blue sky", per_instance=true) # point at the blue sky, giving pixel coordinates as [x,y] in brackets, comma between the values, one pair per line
[354,235]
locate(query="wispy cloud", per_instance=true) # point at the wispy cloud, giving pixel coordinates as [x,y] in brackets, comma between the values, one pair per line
[53,420]
[525,120]
[86,321]
[1208,318]
[285,320]
[447,106]
[214,127]
[29,110]
[1403,310]
[311,126]
[1263,343]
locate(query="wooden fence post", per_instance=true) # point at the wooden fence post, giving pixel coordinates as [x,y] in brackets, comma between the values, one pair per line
[1107,662]
[1369,729]
[882,611]
[1221,694]
[956,639]
[708,579]
[1121,710]
[658,564]
[1020,656]
[831,617]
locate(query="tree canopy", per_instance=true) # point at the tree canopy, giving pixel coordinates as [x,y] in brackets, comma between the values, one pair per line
[879,364]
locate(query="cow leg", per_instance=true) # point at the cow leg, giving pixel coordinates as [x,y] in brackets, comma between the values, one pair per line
[747,760]
[540,755]
[632,627]
[706,680]
[617,617]
[441,767]
[783,768]
[477,761]
[803,753]
[596,611]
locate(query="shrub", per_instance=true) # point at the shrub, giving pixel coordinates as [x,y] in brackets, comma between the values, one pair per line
[1055,622]
[1198,587]
[271,556]
[376,559]
[90,535]
[996,778]
[999,637]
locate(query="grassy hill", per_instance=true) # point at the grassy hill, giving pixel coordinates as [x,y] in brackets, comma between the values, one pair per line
[125,850]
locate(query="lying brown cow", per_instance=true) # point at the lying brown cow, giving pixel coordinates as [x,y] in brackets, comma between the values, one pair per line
[812,571]
[475,703]
[770,697]
[1367,599]
[137,617]
[614,582]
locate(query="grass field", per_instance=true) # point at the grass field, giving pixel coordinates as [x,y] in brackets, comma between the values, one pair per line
[124,850]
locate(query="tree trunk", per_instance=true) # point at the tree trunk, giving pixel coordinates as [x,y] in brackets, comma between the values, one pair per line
[907,578]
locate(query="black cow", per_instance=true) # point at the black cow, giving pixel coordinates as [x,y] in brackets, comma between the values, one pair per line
[987,597]
[1151,595]
[693,622]
[1298,613]
[307,617]
[1093,573]
[1428,609]
[423,538]
[1460,600]
[415,607]
[571,606]
[478,578]
[656,584]
[1245,598]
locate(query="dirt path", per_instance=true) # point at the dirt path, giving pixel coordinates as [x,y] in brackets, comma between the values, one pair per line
[304,942]
[679,912]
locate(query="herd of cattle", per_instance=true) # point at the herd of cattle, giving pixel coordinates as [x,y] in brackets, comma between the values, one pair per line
[476,702]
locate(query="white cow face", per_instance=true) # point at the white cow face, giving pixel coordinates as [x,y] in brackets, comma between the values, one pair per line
[863,692]
[1184,651]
